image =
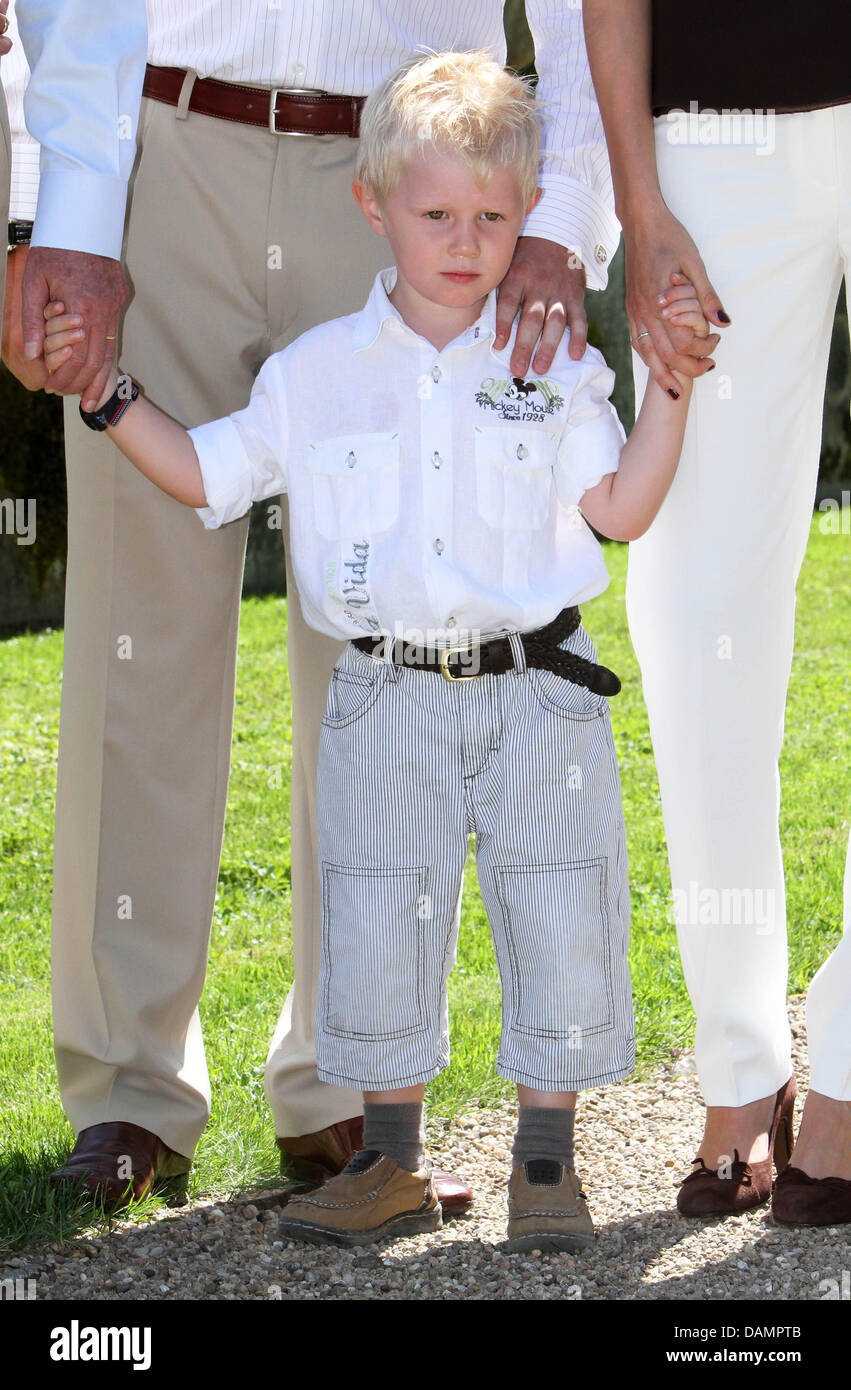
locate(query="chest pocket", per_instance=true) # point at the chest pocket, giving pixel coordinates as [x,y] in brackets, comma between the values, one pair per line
[355,484]
[514,476]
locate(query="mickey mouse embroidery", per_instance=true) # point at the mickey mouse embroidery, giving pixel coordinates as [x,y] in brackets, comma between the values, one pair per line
[510,398]
[520,390]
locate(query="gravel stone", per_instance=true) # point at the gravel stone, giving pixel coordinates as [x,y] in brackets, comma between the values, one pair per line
[634,1143]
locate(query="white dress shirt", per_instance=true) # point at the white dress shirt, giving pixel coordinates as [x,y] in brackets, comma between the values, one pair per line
[15,74]
[349,46]
[82,106]
[430,492]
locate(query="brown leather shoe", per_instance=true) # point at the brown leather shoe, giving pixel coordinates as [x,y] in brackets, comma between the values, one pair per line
[706,1192]
[371,1200]
[314,1158]
[799,1200]
[118,1161]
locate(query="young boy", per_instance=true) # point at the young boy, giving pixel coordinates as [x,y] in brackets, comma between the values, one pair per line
[437,509]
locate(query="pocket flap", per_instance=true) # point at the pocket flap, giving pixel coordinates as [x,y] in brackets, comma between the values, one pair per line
[516,447]
[352,455]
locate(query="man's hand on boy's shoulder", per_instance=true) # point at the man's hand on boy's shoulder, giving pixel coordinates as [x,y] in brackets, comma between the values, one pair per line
[548,287]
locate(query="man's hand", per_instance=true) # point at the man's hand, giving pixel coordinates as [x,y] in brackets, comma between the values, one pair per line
[5,41]
[93,287]
[33,375]
[661,254]
[548,286]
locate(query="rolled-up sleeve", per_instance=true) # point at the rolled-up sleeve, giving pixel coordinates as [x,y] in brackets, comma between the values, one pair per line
[591,443]
[243,455]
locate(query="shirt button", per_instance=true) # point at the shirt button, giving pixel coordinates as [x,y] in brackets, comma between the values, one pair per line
[350,460]
[436,374]
[436,459]
[439,546]
[452,622]
[522,451]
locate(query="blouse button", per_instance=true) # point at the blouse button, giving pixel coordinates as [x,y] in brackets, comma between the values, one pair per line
[350,460]
[439,546]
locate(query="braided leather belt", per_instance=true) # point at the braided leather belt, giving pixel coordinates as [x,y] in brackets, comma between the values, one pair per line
[282,110]
[494,658]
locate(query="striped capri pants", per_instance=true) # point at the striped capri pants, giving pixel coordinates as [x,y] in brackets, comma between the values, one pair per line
[409,766]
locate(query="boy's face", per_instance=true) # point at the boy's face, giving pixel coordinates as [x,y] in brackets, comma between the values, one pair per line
[452,239]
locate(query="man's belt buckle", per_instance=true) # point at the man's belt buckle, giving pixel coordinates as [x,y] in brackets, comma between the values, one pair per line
[443,662]
[291,91]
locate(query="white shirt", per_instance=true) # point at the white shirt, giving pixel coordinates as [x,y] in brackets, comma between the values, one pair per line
[15,74]
[429,492]
[349,46]
[82,106]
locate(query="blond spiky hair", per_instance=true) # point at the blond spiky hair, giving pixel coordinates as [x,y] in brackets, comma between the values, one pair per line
[461,103]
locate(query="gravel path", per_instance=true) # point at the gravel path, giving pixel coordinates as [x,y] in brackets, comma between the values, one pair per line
[634,1145]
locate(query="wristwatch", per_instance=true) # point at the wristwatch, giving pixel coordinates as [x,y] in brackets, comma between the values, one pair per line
[112,410]
[20,233]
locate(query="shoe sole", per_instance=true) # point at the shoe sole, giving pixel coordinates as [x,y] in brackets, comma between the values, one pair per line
[411,1224]
[548,1242]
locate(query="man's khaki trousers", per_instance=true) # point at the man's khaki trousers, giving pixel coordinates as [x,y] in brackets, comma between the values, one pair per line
[237,241]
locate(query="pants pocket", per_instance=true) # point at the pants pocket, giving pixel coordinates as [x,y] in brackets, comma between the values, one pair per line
[558,940]
[372,943]
[350,695]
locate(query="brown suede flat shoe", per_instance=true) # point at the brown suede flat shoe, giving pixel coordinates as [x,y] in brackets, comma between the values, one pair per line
[799,1200]
[118,1161]
[740,1186]
[312,1159]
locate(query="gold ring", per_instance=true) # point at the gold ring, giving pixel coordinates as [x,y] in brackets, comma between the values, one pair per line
[4,21]
[110,337]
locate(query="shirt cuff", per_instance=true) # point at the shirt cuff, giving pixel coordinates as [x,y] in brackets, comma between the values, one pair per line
[590,451]
[225,472]
[572,214]
[23,195]
[79,210]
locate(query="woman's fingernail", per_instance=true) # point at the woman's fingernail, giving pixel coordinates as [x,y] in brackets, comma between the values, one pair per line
[725,318]
[675,395]
[711,367]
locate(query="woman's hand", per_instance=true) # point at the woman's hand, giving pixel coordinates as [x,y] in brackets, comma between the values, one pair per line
[660,258]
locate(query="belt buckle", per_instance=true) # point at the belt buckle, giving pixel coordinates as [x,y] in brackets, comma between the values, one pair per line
[443,660]
[291,91]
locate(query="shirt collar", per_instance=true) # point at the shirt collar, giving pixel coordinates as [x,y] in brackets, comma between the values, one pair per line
[378,311]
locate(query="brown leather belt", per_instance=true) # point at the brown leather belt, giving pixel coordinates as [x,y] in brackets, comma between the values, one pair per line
[283,111]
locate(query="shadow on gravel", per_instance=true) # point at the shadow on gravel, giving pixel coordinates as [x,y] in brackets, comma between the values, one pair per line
[231,1250]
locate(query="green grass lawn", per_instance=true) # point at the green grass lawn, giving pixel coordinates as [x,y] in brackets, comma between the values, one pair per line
[251,963]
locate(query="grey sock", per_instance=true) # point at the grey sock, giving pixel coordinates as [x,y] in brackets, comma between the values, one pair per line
[397,1131]
[543,1133]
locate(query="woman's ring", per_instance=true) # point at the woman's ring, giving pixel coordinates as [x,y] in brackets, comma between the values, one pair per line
[4,24]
